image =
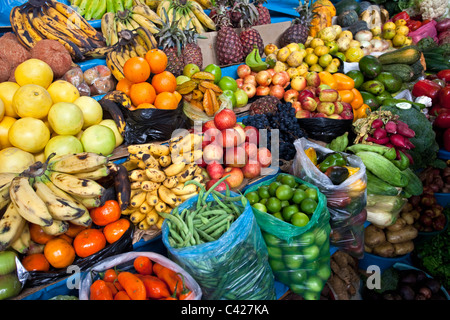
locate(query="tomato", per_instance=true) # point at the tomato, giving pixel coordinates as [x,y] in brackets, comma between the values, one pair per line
[88,242]
[273,187]
[293,261]
[299,196]
[263,192]
[289,211]
[284,192]
[308,206]
[299,219]
[273,205]
[252,197]
[260,207]
[289,180]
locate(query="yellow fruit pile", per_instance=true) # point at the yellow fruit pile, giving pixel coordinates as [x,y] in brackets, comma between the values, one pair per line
[395,33]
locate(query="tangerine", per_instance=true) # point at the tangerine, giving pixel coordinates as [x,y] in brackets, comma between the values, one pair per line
[74,229]
[146,105]
[59,253]
[166,101]
[107,213]
[136,69]
[164,82]
[36,262]
[142,92]
[124,85]
[88,242]
[178,96]
[114,231]
[157,59]
[38,235]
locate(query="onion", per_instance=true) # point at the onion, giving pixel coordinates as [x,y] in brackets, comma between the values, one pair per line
[377,45]
[363,35]
[443,25]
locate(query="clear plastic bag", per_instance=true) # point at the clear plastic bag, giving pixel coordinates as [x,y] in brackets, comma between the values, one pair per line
[299,256]
[124,262]
[345,201]
[234,267]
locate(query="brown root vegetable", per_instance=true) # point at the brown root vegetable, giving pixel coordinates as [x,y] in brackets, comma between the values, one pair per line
[405,234]
[12,51]
[407,207]
[408,217]
[403,248]
[415,214]
[397,225]
[54,54]
[5,70]
[385,249]
[373,236]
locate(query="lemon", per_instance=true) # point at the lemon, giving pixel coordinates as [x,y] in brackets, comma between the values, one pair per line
[388,34]
[321,50]
[400,22]
[316,42]
[376,31]
[404,30]
[309,51]
[283,54]
[294,59]
[346,34]
[302,52]
[311,59]
[292,72]
[336,61]
[327,34]
[293,47]
[354,54]
[398,40]
[325,60]
[316,68]
[389,25]
[303,69]
[332,68]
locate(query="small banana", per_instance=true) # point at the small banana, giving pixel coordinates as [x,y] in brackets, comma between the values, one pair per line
[150,186]
[160,206]
[174,169]
[181,189]
[143,224]
[23,242]
[11,225]
[5,182]
[167,196]
[137,200]
[114,65]
[29,205]
[137,216]
[152,217]
[187,174]
[187,196]
[84,188]
[20,24]
[148,13]
[89,203]
[155,175]
[151,199]
[171,182]
[138,175]
[108,27]
[202,16]
[77,163]
[57,228]
[145,207]
[95,174]
[196,23]
[147,37]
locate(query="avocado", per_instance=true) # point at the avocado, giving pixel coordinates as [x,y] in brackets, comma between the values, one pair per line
[370,66]
[373,86]
[382,96]
[370,100]
[357,76]
[392,82]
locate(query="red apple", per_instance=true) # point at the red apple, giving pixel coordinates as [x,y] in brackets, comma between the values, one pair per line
[249,89]
[309,104]
[231,138]
[251,170]
[262,90]
[263,78]
[320,115]
[305,94]
[334,116]
[251,134]
[298,83]
[201,162]
[211,135]
[221,187]
[215,170]
[328,95]
[271,71]
[338,107]
[240,83]
[243,70]
[235,157]
[291,95]
[208,124]
[312,89]
[297,106]
[326,107]
[225,119]
[241,133]
[250,79]
[312,79]
[303,114]
[251,151]
[236,177]
[213,152]
[279,79]
[347,114]
[264,157]
[277,91]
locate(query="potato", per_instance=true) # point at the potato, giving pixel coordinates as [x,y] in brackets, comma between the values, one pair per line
[385,249]
[408,217]
[397,225]
[402,235]
[373,236]
[403,248]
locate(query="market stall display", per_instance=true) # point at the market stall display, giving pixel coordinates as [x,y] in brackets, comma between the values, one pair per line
[267,150]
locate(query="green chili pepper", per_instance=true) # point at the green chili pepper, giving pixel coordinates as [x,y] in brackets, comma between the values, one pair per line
[403,163]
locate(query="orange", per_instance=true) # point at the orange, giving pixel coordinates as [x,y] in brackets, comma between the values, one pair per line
[157,59]
[166,100]
[59,253]
[38,235]
[107,213]
[178,96]
[142,92]
[88,242]
[164,82]
[36,262]
[124,85]
[66,237]
[136,69]
[146,105]
[74,229]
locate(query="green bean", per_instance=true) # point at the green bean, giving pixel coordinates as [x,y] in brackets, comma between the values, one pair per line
[175,236]
[218,224]
[212,212]
[221,204]
[200,197]
[175,219]
[183,213]
[190,225]
[198,184]
[214,221]
[219,231]
[204,235]
[211,189]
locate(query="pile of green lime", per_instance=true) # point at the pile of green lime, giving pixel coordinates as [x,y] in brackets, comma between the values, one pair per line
[286,199]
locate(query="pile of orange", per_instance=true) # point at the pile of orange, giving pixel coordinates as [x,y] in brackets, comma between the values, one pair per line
[78,241]
[159,92]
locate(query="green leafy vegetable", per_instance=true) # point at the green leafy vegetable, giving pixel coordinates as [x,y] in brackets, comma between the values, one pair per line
[426,43]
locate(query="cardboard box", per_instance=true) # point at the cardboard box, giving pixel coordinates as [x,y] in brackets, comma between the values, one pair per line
[270,33]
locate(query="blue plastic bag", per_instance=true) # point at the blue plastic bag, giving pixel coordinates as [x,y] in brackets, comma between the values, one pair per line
[233,267]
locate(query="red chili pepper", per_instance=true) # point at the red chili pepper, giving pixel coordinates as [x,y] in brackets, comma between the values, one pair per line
[401,15]
[444,96]
[413,25]
[427,88]
[444,75]
[446,138]
[442,121]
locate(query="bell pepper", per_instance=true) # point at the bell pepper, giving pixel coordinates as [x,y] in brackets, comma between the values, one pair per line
[427,88]
[312,155]
[328,79]
[444,75]
[413,25]
[444,96]
[333,159]
[352,170]
[442,121]
[446,139]
[401,15]
[337,174]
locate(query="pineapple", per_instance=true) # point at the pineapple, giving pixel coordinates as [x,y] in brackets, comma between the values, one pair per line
[191,52]
[249,36]
[263,13]
[228,45]
[299,29]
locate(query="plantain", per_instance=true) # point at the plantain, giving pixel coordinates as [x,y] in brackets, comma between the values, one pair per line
[141,21]
[122,185]
[202,16]
[116,67]
[147,37]
[26,34]
[111,107]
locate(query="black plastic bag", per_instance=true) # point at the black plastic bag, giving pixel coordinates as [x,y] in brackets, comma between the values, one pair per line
[146,125]
[124,244]
[325,129]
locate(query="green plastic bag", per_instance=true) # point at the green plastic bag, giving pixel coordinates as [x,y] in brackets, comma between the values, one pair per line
[299,256]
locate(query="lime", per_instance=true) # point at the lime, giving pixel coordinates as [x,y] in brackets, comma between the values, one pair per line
[263,201]
[311,193]
[263,192]
[228,83]
[306,239]
[308,206]
[215,70]
[298,276]
[284,192]
[270,239]
[293,261]
[260,207]
[299,196]
[230,94]
[289,180]
[314,283]
[325,60]
[274,252]
[273,187]
[303,187]
[278,215]
[273,205]
[289,211]
[190,69]
[311,252]
[279,177]
[299,219]
[276,265]
[285,203]
[252,197]
[324,272]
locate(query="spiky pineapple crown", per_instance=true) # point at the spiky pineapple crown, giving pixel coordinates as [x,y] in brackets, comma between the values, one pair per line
[248,11]
[305,12]
[170,35]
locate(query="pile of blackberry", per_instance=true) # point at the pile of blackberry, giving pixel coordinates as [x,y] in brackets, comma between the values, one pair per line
[285,121]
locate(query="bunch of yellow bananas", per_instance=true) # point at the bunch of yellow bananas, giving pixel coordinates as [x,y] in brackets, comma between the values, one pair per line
[51,195]
[188,14]
[50,19]
[157,174]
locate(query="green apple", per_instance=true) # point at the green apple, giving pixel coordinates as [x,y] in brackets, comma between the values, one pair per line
[228,83]
[215,70]
[190,69]
[230,94]
[241,98]
[62,144]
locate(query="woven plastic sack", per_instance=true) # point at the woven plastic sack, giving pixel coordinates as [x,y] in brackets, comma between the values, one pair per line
[233,267]
[299,256]
[345,201]
[124,262]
